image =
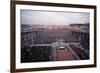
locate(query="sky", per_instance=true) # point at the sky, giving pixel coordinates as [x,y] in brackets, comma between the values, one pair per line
[53,17]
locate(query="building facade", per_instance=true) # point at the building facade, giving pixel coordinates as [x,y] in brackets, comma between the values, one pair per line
[28,38]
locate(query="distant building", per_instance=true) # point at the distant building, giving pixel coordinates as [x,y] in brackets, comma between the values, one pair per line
[81,27]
